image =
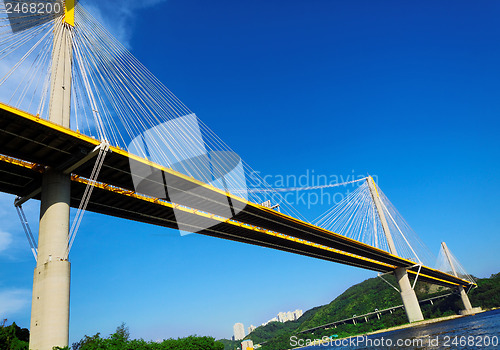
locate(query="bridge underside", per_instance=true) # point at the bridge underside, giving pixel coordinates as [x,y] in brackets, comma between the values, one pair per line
[29,144]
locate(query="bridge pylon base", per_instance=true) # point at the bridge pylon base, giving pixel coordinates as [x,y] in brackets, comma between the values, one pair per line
[410,301]
[473,311]
[465,298]
[50,305]
[51,280]
[468,309]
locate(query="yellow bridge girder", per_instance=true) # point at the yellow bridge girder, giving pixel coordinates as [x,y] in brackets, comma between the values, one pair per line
[29,143]
[69,12]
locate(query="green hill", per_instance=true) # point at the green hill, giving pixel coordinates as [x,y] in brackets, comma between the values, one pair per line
[274,329]
[365,297]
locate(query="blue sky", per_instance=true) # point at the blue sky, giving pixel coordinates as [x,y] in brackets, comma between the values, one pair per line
[407,91]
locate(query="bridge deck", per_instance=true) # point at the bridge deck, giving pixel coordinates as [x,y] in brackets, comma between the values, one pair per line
[39,143]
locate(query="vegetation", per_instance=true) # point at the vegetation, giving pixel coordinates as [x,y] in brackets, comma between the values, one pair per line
[120,340]
[487,294]
[230,344]
[360,299]
[365,297]
[276,329]
[14,338]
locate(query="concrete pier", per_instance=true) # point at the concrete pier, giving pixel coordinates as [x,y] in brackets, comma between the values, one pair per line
[468,309]
[51,280]
[408,296]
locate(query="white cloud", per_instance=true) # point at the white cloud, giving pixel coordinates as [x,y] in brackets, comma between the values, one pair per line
[118,16]
[13,301]
[5,240]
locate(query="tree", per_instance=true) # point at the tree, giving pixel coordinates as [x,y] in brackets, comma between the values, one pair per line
[122,333]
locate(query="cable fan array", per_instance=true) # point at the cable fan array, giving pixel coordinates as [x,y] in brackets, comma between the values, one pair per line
[356,217]
[443,264]
[118,100]
[407,241]
[25,60]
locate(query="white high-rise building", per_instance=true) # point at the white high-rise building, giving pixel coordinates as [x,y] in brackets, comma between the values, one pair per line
[251,328]
[297,314]
[282,317]
[239,331]
[274,319]
[289,316]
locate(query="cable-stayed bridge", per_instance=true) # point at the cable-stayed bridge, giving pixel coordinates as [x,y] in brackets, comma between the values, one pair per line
[87,126]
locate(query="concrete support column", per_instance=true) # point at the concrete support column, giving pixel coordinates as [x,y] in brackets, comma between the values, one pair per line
[60,79]
[51,280]
[463,294]
[408,296]
[410,301]
[465,299]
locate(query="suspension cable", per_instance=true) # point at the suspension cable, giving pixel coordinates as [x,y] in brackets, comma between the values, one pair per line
[27,229]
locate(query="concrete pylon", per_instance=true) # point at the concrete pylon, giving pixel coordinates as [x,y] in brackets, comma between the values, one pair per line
[468,309]
[408,296]
[51,281]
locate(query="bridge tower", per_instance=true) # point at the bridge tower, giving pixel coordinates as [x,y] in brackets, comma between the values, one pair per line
[410,301]
[51,281]
[468,309]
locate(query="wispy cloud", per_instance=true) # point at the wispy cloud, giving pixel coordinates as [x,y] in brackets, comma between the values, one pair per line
[13,301]
[119,16]
[5,241]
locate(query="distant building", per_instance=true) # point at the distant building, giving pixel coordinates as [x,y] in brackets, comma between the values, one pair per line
[297,314]
[247,345]
[251,328]
[239,331]
[274,319]
[289,316]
